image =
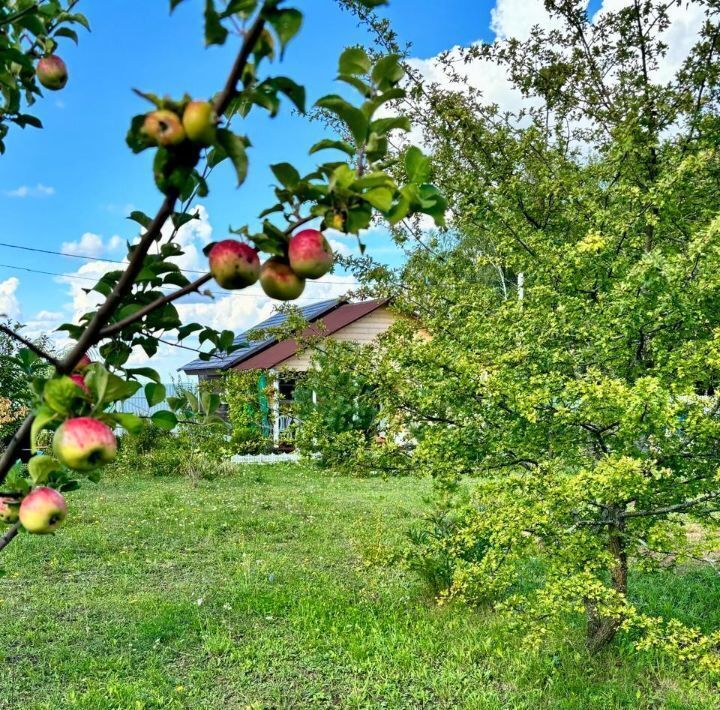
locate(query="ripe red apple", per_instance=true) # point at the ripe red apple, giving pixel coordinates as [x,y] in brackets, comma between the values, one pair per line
[42,511]
[83,443]
[164,128]
[8,510]
[279,281]
[83,363]
[234,264]
[52,72]
[79,380]
[200,122]
[310,254]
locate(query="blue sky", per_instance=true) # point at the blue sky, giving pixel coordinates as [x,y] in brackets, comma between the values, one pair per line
[70,186]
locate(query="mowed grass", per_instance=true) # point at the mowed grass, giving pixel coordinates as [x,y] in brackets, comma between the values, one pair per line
[276,588]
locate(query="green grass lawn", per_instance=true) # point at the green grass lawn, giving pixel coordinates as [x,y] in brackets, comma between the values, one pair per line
[274,589]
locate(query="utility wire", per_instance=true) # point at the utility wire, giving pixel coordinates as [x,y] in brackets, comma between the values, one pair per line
[98,258]
[171,288]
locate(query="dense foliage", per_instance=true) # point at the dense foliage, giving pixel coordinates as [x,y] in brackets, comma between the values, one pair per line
[249,398]
[339,421]
[18,366]
[567,393]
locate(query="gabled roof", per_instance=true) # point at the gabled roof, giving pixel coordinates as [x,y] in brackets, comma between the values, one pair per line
[325,318]
[276,353]
[225,362]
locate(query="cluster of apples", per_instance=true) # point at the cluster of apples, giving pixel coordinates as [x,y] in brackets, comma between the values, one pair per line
[52,73]
[197,123]
[80,443]
[236,265]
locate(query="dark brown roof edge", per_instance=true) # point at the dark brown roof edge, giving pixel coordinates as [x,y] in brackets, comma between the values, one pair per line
[335,320]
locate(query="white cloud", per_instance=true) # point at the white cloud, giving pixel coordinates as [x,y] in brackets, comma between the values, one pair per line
[115,242]
[88,245]
[340,248]
[9,304]
[45,323]
[515,19]
[39,190]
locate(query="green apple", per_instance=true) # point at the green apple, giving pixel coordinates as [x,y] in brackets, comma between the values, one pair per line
[84,443]
[200,122]
[279,281]
[310,254]
[234,264]
[52,72]
[42,511]
[164,128]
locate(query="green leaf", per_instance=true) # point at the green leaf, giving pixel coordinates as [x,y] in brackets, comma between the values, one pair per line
[295,92]
[144,372]
[164,419]
[141,218]
[387,71]
[15,481]
[433,203]
[354,60]
[352,117]
[385,125]
[59,394]
[286,24]
[119,389]
[326,144]
[215,33]
[43,417]
[154,393]
[244,8]
[40,468]
[136,139]
[380,198]
[129,422]
[417,166]
[234,147]
[286,174]
[67,32]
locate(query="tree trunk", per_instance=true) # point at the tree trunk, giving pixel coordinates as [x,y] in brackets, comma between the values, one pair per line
[600,629]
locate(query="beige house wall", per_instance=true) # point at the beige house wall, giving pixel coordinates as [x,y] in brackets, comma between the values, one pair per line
[364,330]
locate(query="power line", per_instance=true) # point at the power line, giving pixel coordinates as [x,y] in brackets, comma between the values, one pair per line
[170,288]
[87,257]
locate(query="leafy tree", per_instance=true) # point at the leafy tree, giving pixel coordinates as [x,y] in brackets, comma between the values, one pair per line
[336,407]
[573,319]
[78,400]
[18,366]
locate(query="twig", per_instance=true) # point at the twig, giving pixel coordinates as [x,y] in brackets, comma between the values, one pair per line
[20,13]
[158,303]
[223,99]
[670,508]
[30,346]
[9,535]
[299,223]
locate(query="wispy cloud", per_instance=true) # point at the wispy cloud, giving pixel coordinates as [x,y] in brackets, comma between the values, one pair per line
[39,190]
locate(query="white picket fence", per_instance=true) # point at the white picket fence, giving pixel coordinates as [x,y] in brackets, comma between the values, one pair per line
[265,458]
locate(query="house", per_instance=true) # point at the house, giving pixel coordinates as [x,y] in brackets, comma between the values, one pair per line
[359,322]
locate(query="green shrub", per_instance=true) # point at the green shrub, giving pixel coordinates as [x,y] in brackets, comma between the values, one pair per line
[248,395]
[197,451]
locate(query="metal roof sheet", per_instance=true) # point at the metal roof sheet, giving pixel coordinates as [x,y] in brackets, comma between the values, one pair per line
[223,362]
